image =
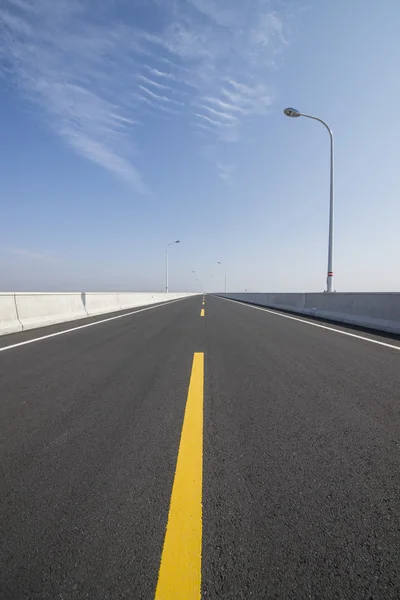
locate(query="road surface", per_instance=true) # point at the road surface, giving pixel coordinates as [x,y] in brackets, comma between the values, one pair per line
[223,448]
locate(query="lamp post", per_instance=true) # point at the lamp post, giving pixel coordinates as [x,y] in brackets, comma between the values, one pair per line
[222,265]
[190,281]
[166,263]
[201,285]
[292,112]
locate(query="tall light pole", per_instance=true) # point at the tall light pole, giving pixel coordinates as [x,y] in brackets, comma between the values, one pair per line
[166,263]
[190,281]
[222,265]
[292,112]
[201,285]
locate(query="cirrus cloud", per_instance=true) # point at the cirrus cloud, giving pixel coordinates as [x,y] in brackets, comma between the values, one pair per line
[96,78]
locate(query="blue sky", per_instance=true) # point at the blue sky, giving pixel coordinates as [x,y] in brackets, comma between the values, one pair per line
[128,124]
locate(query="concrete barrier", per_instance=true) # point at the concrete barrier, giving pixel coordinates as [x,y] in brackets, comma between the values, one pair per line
[294,302]
[130,300]
[252,298]
[39,310]
[99,304]
[9,322]
[375,311]
[22,311]
[379,311]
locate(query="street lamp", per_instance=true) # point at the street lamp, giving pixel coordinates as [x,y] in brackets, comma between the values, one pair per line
[222,265]
[201,285]
[292,112]
[190,281]
[166,264]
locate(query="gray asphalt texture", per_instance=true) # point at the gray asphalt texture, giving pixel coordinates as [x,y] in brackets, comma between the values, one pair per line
[301,481]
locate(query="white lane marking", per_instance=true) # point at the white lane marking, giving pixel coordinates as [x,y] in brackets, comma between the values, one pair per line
[46,337]
[278,314]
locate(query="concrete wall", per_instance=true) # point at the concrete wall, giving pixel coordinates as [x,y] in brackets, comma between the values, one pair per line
[99,304]
[9,322]
[379,311]
[39,310]
[22,311]
[128,300]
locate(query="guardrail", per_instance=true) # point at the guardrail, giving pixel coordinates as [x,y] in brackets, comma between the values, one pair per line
[22,311]
[373,310]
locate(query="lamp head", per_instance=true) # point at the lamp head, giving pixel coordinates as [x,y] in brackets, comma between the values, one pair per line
[292,112]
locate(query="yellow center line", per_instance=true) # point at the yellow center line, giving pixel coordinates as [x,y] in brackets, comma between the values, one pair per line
[202,312]
[179,577]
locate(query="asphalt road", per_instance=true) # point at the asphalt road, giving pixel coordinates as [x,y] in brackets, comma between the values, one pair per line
[301,460]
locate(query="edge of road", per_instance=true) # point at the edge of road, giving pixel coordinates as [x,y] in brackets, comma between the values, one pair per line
[21,338]
[379,337]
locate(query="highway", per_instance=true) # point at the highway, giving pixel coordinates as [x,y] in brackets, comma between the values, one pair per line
[191,451]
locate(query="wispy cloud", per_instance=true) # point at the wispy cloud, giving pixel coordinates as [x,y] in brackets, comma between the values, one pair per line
[30,254]
[218,113]
[163,74]
[160,98]
[156,84]
[96,78]
[226,172]
[63,62]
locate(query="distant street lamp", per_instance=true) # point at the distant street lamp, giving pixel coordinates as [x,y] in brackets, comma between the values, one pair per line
[292,112]
[190,281]
[222,265]
[201,285]
[166,264]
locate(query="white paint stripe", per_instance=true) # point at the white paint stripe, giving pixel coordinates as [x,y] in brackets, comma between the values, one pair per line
[46,337]
[278,314]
